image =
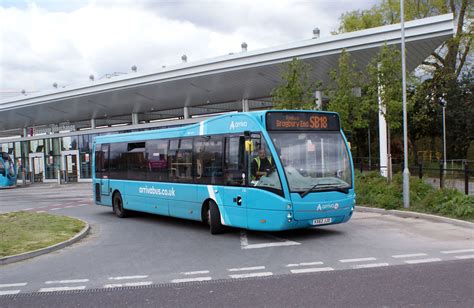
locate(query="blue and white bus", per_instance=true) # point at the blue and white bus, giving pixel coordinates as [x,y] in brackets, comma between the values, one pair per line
[212,171]
[8,171]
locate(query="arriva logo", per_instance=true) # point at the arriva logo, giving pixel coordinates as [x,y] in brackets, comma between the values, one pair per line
[235,125]
[326,207]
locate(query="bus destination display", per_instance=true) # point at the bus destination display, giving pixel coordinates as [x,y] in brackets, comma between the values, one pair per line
[302,121]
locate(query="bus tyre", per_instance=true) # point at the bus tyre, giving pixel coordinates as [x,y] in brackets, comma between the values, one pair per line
[117,206]
[214,219]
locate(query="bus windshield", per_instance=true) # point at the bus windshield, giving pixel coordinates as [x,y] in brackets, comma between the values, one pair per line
[313,160]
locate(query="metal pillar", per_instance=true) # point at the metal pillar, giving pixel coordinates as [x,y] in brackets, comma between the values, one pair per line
[319,99]
[92,123]
[25,132]
[186,112]
[444,138]
[245,105]
[406,171]
[134,118]
[382,135]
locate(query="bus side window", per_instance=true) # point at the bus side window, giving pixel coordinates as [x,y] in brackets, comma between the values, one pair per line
[157,157]
[2,169]
[234,163]
[208,160]
[180,159]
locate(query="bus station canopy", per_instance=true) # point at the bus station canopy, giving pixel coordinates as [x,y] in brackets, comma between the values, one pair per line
[212,85]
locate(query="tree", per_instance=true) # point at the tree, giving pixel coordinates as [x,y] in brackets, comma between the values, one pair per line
[459,118]
[384,73]
[442,71]
[296,90]
[449,60]
[343,99]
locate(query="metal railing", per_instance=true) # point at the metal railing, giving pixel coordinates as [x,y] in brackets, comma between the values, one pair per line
[459,173]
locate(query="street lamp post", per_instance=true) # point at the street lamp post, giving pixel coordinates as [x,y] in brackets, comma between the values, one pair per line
[406,171]
[443,103]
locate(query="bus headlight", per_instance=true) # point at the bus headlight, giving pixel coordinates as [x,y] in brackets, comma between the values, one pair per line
[288,206]
[289,216]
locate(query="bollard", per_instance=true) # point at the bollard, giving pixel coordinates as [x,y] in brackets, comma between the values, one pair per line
[466,178]
[59,177]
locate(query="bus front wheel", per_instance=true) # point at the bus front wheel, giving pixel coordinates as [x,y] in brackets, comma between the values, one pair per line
[117,206]
[214,218]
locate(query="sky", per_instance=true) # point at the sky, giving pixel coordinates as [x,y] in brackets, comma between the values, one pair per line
[65,41]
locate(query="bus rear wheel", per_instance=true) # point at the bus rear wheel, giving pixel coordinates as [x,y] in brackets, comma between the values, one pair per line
[117,206]
[214,218]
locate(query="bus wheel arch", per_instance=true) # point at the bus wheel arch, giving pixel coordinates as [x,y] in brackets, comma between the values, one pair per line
[117,205]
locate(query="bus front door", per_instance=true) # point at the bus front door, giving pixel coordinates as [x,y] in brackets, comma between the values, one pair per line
[235,191]
[104,180]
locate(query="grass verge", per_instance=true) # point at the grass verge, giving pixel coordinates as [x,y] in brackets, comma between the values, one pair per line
[373,190]
[24,231]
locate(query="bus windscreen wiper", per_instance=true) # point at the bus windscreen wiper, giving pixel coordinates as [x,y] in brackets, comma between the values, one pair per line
[341,188]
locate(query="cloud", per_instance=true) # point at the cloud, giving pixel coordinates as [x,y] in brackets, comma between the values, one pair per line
[45,42]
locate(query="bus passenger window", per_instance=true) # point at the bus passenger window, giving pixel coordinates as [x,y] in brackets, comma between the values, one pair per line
[180,158]
[157,156]
[208,160]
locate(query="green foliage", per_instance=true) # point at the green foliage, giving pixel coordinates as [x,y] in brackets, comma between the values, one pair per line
[384,71]
[373,190]
[296,90]
[388,12]
[361,19]
[352,110]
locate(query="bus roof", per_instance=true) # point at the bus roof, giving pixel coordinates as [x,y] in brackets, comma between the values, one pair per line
[226,123]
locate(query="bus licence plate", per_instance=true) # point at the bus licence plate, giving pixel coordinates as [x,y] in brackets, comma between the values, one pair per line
[322,221]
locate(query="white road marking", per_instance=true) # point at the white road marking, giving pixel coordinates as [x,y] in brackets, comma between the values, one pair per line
[62,289]
[9,285]
[66,281]
[465,257]
[9,292]
[304,264]
[40,211]
[312,270]
[28,209]
[244,243]
[357,260]
[458,251]
[191,279]
[248,275]
[69,206]
[55,209]
[129,284]
[266,245]
[410,255]
[370,265]
[422,261]
[246,269]
[195,273]
[128,277]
